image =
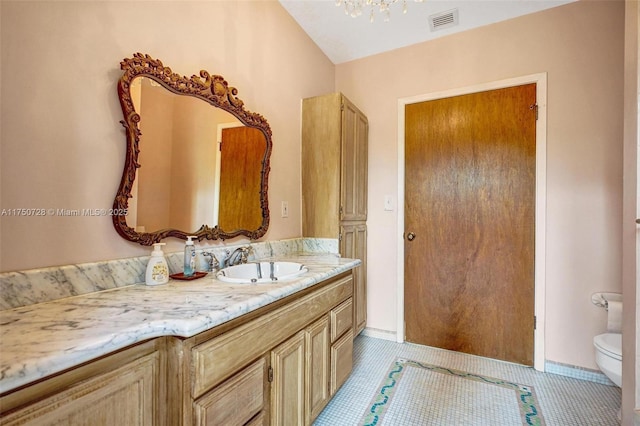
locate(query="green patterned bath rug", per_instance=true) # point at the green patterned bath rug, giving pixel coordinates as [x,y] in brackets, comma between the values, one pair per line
[416,393]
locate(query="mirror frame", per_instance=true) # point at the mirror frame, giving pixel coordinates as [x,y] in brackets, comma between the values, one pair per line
[214,90]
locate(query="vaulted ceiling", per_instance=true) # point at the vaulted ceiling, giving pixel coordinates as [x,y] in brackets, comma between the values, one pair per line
[344,38]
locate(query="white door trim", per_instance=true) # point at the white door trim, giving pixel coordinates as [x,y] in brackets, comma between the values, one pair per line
[541,197]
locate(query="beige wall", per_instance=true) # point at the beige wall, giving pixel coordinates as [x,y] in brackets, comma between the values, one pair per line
[63,147]
[580,46]
[62,143]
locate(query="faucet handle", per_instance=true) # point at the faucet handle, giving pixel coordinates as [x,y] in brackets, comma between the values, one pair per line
[245,253]
[213,261]
[225,258]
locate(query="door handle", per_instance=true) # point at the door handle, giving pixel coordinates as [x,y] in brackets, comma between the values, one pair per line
[411,236]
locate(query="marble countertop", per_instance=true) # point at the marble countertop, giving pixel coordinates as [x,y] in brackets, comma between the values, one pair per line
[39,340]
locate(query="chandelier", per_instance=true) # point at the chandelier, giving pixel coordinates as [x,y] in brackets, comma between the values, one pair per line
[354,7]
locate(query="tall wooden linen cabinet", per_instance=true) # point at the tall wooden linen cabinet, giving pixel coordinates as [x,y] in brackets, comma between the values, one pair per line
[334,183]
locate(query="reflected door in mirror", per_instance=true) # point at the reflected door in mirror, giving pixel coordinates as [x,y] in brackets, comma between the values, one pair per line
[242,154]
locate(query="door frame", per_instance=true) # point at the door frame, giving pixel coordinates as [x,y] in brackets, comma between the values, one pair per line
[540,208]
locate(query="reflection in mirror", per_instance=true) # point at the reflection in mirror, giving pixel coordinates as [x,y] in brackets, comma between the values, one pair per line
[242,149]
[199,170]
[178,184]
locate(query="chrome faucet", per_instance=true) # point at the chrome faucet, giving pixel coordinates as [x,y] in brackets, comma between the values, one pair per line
[238,256]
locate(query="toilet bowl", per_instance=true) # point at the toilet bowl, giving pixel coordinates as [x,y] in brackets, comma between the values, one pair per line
[609,355]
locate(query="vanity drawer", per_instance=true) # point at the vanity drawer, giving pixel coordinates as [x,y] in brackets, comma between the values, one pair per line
[341,318]
[234,402]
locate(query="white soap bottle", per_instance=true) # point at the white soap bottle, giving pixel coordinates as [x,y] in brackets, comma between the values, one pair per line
[189,257]
[157,268]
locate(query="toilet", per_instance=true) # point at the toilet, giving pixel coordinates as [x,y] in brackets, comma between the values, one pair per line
[609,355]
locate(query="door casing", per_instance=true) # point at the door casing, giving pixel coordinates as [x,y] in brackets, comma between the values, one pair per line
[540,209]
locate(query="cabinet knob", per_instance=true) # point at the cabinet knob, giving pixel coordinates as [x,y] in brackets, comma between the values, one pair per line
[411,236]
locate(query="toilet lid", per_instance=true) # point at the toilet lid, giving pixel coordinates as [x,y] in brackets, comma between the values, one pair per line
[610,343]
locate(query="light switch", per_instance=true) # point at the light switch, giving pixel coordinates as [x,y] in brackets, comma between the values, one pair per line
[285,209]
[388,203]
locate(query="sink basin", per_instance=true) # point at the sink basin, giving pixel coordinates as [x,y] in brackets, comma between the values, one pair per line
[261,272]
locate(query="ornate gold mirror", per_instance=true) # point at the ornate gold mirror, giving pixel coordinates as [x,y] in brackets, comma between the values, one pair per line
[197,162]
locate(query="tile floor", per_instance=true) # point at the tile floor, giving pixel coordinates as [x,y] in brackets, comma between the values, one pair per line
[563,401]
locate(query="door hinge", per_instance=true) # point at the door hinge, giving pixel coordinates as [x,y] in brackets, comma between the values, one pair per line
[535,322]
[341,106]
[270,374]
[340,236]
[220,146]
[534,107]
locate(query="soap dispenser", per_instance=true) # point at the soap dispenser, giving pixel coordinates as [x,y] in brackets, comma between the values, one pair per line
[189,257]
[157,268]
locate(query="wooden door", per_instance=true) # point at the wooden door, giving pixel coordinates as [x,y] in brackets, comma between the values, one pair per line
[470,202]
[241,157]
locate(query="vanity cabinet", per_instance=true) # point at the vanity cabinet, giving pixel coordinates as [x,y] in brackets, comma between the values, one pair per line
[271,366]
[276,365]
[334,183]
[125,388]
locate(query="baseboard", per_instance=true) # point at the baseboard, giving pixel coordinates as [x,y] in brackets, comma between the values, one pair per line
[379,334]
[576,372]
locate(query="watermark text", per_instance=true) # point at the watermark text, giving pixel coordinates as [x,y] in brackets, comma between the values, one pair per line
[35,212]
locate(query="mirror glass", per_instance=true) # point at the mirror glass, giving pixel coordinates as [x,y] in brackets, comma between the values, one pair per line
[201,160]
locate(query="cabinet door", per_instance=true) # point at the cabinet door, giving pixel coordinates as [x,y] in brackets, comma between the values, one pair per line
[321,170]
[287,388]
[317,368]
[353,175]
[353,244]
[125,396]
[341,361]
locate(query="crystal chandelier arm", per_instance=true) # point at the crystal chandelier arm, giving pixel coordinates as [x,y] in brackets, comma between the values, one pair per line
[354,7]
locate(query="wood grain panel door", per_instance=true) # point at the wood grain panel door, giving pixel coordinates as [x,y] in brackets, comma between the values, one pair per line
[242,153]
[469,223]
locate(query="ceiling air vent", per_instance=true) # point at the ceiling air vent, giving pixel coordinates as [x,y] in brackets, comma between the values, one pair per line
[443,20]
